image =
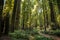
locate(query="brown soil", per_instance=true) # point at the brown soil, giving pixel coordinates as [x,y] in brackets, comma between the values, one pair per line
[5,38]
[50,36]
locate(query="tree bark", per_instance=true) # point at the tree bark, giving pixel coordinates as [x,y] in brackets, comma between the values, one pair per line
[13,16]
[53,19]
[6,31]
[1,8]
[17,18]
[58,3]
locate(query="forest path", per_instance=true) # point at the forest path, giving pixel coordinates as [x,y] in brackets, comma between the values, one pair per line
[5,38]
[50,36]
[45,35]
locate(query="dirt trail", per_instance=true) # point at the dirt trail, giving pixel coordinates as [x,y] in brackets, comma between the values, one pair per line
[46,35]
[50,36]
[5,38]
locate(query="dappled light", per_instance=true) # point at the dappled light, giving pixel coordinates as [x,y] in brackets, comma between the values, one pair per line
[29,20]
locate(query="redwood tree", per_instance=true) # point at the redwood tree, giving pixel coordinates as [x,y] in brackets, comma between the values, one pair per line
[1,9]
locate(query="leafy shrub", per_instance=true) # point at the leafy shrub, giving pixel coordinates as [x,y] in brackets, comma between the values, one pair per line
[35,32]
[37,37]
[19,34]
[25,35]
[55,32]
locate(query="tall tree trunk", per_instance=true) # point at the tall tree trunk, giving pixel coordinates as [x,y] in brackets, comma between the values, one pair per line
[58,3]
[53,20]
[17,14]
[44,14]
[13,16]
[6,31]
[1,9]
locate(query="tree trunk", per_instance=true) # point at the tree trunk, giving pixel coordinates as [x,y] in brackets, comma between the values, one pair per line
[53,20]
[44,14]
[17,14]
[1,8]
[13,16]
[6,31]
[58,3]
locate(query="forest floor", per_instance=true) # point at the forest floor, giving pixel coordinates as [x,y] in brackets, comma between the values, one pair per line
[5,38]
[45,35]
[50,36]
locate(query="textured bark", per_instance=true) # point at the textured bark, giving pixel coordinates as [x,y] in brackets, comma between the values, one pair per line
[13,16]
[52,11]
[6,31]
[44,14]
[17,14]
[1,8]
[53,20]
[58,3]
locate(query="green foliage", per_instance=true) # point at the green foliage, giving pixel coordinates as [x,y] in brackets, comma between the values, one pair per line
[25,35]
[57,33]
[39,37]
[33,14]
[54,32]
[19,34]
[35,31]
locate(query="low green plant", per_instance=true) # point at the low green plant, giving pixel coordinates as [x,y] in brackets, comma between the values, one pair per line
[25,35]
[39,37]
[19,34]
[54,32]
